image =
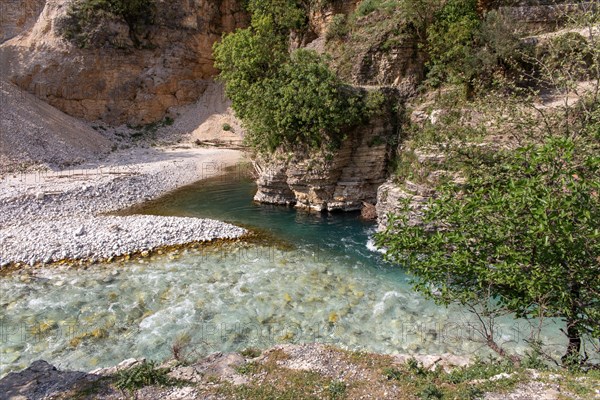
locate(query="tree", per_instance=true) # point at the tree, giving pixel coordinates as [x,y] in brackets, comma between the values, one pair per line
[84,16]
[283,99]
[521,236]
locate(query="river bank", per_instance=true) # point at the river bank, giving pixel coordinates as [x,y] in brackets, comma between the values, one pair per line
[310,371]
[53,216]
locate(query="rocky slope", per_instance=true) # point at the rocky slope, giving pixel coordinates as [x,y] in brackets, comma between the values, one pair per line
[33,132]
[113,79]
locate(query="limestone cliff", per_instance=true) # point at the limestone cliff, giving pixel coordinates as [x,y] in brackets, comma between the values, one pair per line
[119,84]
[343,179]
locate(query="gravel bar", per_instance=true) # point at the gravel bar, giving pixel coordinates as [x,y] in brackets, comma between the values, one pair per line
[99,238]
[45,218]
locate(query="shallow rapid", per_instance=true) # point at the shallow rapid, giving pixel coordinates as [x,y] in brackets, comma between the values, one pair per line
[312,279]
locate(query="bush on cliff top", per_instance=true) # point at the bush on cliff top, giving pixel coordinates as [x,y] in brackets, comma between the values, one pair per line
[84,16]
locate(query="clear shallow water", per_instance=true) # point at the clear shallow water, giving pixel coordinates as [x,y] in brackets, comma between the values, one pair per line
[327,287]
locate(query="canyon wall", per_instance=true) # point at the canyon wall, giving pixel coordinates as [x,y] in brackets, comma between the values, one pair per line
[112,80]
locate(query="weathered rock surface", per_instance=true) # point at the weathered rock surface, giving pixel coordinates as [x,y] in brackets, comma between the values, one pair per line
[391,195]
[42,381]
[379,51]
[200,379]
[545,14]
[342,180]
[17,16]
[124,83]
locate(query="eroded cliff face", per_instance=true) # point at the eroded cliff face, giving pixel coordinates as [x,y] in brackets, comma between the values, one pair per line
[113,80]
[343,179]
[391,196]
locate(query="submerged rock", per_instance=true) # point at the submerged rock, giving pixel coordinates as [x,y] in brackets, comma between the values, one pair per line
[42,380]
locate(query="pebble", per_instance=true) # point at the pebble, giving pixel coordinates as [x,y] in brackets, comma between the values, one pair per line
[47,242]
[71,222]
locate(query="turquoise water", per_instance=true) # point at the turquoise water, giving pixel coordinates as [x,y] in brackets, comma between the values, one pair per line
[322,285]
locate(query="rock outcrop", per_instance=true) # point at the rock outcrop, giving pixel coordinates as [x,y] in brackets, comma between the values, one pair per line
[338,180]
[390,197]
[121,83]
[547,15]
[427,170]
[371,53]
[44,381]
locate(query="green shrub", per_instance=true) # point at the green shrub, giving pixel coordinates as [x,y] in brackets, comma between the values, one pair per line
[250,352]
[338,27]
[393,373]
[247,369]
[366,7]
[336,389]
[84,16]
[450,41]
[569,54]
[431,392]
[283,99]
[227,127]
[304,104]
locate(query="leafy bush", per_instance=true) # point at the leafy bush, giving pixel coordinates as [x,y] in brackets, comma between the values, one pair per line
[450,40]
[283,99]
[283,15]
[336,389]
[84,16]
[366,7]
[470,50]
[304,104]
[569,54]
[247,368]
[431,392]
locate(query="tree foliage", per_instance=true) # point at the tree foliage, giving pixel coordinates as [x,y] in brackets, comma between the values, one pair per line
[469,48]
[451,37]
[304,103]
[525,229]
[283,98]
